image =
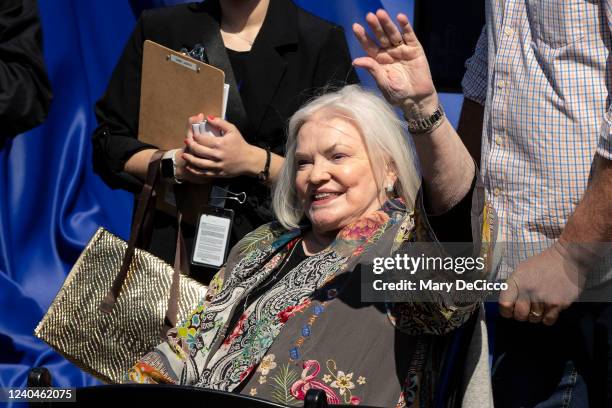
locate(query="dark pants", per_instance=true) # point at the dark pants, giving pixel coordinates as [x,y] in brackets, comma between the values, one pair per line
[566,365]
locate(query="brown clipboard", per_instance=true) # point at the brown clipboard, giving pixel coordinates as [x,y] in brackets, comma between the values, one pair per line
[174,87]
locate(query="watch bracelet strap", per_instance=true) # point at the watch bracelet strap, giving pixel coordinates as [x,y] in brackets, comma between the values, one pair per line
[265,173]
[170,154]
[428,124]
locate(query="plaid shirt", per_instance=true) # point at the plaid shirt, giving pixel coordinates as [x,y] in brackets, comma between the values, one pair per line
[541,70]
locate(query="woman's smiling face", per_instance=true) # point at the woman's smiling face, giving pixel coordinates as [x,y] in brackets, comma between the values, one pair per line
[334,177]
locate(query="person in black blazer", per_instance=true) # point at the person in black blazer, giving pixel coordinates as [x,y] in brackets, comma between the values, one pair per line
[25,90]
[275,56]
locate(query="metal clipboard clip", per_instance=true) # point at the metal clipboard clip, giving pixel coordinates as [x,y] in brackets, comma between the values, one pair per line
[240,197]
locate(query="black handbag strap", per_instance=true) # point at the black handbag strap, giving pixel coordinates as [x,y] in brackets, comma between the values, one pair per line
[181,265]
[144,206]
[140,233]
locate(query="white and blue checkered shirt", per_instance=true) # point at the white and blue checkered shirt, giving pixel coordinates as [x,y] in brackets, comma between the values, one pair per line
[543,71]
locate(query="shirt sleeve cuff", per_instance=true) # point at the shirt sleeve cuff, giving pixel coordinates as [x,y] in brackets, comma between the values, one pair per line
[604,147]
[476,75]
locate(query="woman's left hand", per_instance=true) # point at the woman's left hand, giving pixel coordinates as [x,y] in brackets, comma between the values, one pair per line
[398,63]
[222,156]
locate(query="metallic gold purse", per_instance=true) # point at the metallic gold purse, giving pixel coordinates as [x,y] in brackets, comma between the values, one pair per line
[118,301]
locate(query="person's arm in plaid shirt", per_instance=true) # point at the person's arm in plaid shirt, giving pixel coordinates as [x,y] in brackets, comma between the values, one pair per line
[475,95]
[546,284]
[604,148]
[540,292]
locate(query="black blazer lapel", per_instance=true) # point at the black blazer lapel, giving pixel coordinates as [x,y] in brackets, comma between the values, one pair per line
[217,56]
[266,64]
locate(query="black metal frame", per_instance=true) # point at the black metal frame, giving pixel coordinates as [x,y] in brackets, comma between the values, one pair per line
[162,395]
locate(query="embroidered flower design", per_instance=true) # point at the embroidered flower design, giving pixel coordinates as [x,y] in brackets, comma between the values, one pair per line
[144,373]
[365,227]
[214,287]
[191,340]
[182,331]
[343,382]
[359,251]
[253,392]
[238,330]
[263,379]
[308,380]
[267,364]
[289,312]
[188,335]
[246,373]
[326,378]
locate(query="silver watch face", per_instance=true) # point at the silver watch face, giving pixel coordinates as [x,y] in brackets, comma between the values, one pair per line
[425,124]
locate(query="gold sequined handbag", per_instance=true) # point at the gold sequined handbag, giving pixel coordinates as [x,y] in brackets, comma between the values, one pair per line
[118,301]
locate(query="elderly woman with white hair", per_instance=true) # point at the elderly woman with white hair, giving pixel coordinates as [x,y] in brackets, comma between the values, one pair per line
[284,315]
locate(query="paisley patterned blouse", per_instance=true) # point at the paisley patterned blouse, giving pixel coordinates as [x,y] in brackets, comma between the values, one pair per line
[310,328]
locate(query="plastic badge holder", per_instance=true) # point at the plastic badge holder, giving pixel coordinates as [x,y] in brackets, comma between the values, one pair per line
[213,235]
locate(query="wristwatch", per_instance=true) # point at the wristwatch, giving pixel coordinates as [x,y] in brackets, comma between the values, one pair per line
[168,167]
[428,124]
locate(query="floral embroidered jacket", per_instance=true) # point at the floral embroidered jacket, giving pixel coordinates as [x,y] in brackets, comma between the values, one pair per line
[310,329]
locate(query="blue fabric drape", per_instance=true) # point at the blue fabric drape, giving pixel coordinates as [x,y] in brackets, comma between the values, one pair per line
[51,202]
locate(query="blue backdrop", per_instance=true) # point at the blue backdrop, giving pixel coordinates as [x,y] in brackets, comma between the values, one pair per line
[51,202]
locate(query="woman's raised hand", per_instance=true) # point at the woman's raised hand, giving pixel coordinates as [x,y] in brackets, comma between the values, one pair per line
[398,64]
